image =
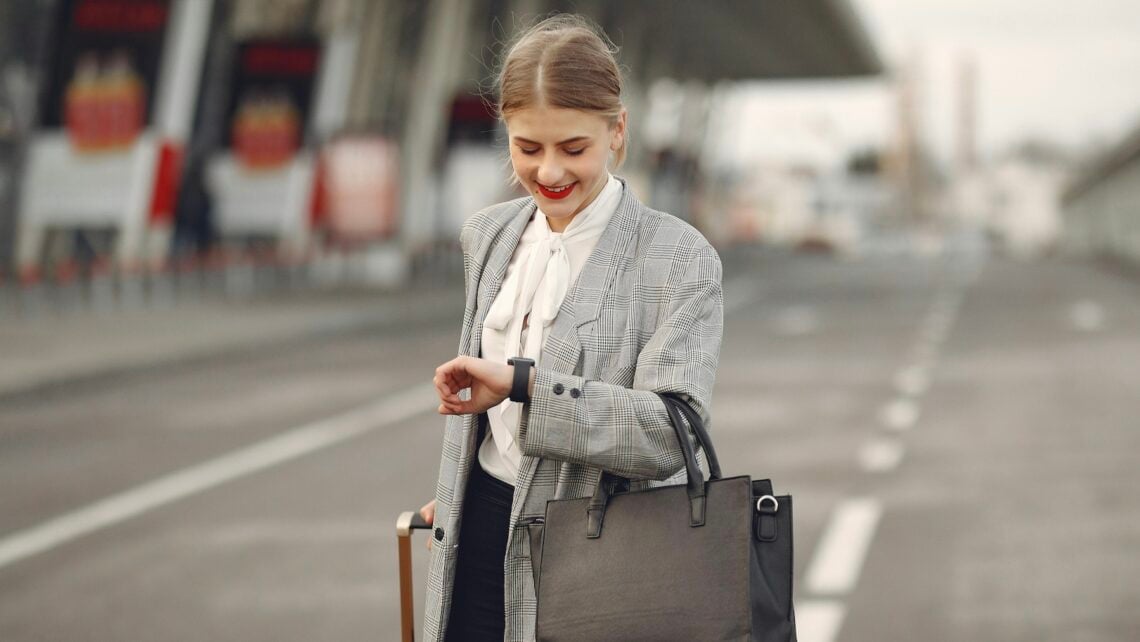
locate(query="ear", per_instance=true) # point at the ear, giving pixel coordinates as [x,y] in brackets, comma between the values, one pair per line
[619,131]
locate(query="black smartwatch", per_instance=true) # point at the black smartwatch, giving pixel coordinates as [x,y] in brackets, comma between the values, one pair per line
[521,381]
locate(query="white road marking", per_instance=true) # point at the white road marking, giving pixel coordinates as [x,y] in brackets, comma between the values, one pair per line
[900,414]
[880,455]
[819,620]
[1087,316]
[843,547]
[215,472]
[913,381]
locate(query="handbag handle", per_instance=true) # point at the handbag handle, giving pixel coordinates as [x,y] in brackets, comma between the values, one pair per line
[699,430]
[695,485]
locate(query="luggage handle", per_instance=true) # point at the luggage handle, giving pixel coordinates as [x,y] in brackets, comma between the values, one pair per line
[409,521]
[406,523]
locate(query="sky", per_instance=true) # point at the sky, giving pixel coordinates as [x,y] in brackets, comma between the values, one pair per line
[1058,70]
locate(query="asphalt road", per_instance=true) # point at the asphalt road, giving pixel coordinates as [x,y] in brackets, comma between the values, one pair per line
[959,436]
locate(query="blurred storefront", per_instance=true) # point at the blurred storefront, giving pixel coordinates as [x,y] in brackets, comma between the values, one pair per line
[114,115]
[175,127]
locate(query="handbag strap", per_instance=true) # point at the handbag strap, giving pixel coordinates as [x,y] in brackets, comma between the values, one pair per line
[695,484]
[699,431]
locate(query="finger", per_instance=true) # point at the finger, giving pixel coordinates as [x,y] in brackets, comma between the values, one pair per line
[457,374]
[451,383]
[459,408]
[445,386]
[441,375]
[450,389]
[448,384]
[441,388]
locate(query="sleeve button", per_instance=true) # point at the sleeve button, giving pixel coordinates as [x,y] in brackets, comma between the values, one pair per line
[575,393]
[558,388]
[439,534]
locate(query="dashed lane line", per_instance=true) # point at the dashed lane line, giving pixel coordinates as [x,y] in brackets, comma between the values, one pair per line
[1087,316]
[880,455]
[913,381]
[847,537]
[900,414]
[843,547]
[215,472]
[819,620]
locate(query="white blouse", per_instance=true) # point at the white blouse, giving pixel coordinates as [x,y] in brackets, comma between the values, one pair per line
[539,274]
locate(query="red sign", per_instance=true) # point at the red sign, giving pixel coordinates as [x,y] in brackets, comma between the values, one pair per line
[279,60]
[271,91]
[104,103]
[119,15]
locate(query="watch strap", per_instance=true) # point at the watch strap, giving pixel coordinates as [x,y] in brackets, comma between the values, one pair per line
[521,381]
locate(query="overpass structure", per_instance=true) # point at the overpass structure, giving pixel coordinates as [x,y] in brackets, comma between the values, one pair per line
[699,44]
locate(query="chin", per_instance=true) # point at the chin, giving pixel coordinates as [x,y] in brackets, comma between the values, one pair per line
[561,209]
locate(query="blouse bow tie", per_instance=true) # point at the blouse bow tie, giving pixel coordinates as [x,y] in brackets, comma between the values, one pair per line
[537,290]
[532,297]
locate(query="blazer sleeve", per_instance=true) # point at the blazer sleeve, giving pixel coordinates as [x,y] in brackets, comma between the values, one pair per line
[466,233]
[627,431]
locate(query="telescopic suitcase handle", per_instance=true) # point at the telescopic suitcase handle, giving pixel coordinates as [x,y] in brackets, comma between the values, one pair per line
[405,524]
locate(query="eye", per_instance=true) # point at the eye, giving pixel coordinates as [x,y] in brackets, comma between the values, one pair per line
[575,152]
[529,151]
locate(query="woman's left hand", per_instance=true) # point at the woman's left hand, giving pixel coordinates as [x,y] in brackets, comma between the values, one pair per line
[490,384]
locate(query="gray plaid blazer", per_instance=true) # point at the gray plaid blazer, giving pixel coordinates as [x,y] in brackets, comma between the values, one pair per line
[643,316]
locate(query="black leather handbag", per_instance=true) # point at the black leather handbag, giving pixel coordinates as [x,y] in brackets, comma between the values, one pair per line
[701,561]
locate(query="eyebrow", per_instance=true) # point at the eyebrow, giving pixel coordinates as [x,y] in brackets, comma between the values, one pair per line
[520,139]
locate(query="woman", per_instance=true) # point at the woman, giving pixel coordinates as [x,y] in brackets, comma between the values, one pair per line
[612,301]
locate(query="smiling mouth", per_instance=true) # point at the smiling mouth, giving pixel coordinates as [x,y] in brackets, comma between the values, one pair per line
[557,193]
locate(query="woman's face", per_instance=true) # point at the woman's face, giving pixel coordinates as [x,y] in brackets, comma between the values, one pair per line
[559,156]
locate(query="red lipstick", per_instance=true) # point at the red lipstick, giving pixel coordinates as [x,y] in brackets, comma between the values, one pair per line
[557,195]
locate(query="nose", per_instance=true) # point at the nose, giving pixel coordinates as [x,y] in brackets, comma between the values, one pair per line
[550,171]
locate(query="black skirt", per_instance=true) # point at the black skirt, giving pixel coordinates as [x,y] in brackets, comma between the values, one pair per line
[477,594]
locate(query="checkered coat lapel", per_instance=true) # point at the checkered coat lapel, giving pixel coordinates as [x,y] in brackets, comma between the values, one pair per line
[643,316]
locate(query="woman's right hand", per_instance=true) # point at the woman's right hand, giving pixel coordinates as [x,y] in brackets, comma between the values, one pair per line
[428,513]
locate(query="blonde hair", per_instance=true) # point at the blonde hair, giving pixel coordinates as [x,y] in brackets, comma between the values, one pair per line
[563,61]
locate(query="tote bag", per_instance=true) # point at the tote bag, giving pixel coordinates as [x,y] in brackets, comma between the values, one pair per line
[708,560]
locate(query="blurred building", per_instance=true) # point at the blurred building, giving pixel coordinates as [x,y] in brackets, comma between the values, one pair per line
[1101,207]
[1016,199]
